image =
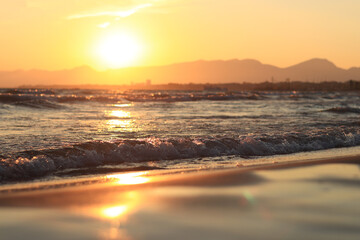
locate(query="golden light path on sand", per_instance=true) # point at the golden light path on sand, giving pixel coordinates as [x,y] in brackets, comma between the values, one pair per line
[119,206]
[130,178]
[116,211]
[130,198]
[285,200]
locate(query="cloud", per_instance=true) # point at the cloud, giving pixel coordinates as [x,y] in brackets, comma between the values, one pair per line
[104,25]
[121,14]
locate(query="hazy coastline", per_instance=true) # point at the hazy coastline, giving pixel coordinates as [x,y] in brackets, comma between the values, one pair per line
[198,72]
[350,85]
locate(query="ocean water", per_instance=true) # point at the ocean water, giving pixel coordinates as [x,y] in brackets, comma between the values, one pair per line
[54,134]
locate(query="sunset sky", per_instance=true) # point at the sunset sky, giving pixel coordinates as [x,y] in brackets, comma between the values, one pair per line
[59,34]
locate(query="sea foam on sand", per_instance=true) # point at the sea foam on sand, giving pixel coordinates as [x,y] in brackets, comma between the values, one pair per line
[297,200]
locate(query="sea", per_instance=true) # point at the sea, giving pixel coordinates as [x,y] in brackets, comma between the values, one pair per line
[52,134]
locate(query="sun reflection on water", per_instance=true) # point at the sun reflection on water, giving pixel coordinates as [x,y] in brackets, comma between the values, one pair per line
[122,105]
[119,114]
[120,121]
[129,178]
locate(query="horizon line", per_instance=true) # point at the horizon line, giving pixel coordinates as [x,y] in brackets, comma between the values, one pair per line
[175,63]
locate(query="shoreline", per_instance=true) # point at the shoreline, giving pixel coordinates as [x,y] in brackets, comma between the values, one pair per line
[162,177]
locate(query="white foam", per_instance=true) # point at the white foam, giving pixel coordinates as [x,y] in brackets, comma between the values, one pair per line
[31,165]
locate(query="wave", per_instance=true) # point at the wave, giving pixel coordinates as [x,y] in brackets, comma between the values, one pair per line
[52,102]
[192,97]
[224,117]
[28,91]
[29,101]
[343,110]
[107,96]
[38,103]
[22,97]
[38,163]
[13,96]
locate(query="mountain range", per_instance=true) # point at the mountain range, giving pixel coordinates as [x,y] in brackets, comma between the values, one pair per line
[219,71]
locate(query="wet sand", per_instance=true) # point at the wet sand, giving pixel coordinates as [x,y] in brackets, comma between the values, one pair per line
[310,199]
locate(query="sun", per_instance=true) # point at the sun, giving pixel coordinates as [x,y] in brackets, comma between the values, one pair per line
[118,50]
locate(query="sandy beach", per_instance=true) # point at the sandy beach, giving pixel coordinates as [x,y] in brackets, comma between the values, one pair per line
[314,199]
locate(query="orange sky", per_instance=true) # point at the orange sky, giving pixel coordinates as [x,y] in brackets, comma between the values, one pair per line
[58,34]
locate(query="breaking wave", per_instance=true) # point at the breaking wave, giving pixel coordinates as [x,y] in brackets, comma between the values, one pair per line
[29,101]
[28,165]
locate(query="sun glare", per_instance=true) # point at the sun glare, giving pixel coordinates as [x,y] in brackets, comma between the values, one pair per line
[113,212]
[118,50]
[130,178]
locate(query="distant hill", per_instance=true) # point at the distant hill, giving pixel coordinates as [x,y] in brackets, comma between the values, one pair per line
[79,75]
[235,71]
